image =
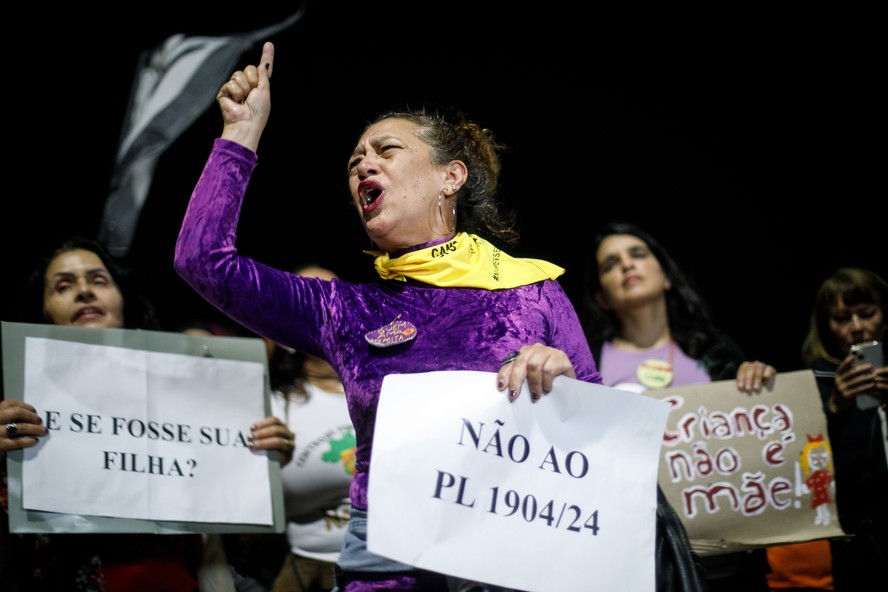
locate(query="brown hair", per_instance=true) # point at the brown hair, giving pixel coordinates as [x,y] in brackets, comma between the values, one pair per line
[851,285]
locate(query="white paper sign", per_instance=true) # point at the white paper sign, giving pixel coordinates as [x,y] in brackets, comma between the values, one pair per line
[554,495]
[137,434]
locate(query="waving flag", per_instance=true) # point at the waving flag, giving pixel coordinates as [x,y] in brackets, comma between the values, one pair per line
[175,83]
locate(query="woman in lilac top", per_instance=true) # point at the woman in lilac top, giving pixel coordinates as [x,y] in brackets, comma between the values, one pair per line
[448,299]
[648,329]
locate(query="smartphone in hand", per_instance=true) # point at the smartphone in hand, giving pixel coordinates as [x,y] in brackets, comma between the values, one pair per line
[868,351]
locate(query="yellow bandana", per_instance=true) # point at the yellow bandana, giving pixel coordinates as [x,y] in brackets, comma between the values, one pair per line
[465,261]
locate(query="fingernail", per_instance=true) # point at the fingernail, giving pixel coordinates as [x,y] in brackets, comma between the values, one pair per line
[500,384]
[513,394]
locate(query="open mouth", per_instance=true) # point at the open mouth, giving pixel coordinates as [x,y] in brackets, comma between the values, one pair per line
[370,195]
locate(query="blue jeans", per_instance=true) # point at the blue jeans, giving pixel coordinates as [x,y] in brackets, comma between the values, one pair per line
[357,563]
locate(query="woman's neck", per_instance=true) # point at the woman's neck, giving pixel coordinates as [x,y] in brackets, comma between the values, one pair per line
[644,328]
[424,245]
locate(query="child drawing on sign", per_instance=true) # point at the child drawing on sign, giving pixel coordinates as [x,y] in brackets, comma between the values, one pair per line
[818,469]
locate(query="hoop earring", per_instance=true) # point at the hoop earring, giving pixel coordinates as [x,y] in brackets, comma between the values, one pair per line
[441,212]
[453,227]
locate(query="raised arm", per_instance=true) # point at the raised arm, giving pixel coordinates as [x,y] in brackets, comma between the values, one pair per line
[245,101]
[206,255]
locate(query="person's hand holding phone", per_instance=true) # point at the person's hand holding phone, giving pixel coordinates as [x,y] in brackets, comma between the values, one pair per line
[865,374]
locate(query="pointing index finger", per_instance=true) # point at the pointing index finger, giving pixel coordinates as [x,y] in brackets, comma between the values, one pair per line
[267,60]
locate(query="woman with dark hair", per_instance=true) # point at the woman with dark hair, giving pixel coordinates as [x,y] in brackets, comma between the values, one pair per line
[638,298]
[79,284]
[138,312]
[850,308]
[648,328]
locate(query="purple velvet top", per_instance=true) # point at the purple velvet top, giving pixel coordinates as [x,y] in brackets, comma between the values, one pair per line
[457,328]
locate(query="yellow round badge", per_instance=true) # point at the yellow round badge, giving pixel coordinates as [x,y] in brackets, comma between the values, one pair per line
[655,374]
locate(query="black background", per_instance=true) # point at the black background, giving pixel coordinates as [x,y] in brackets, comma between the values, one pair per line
[751,144]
